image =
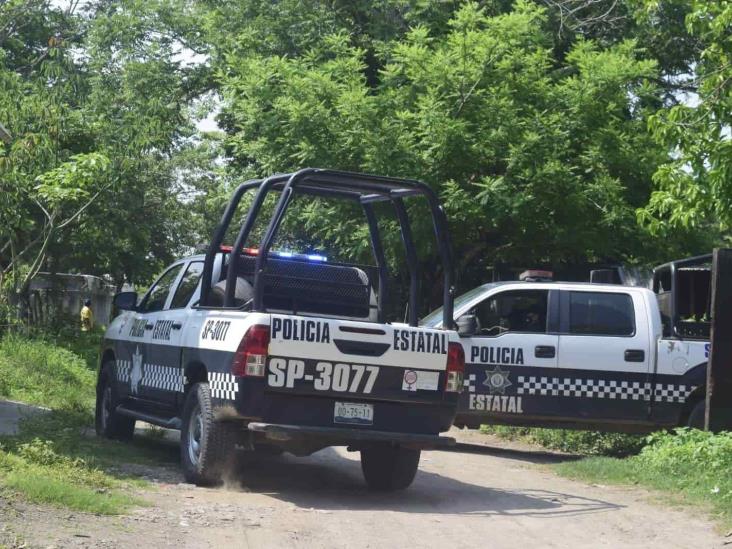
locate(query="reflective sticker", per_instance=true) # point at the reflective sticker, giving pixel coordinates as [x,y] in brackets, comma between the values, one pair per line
[410,381]
[414,380]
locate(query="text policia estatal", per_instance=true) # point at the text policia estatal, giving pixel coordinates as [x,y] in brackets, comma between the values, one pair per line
[314,331]
[496,403]
[480,354]
[301,329]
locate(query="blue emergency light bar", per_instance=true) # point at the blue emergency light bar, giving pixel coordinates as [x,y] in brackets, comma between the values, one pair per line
[282,254]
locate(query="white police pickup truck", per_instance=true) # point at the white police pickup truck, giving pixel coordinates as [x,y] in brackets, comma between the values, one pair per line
[579,356]
[271,351]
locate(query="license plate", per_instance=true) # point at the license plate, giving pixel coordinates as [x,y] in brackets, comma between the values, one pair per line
[354,414]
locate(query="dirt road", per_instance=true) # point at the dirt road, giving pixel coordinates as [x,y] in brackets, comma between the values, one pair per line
[476,497]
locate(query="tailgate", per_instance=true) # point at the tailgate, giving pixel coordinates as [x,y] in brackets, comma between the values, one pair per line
[357,359]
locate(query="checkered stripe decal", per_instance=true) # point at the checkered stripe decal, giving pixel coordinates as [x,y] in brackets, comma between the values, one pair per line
[469,383]
[153,375]
[673,393]
[124,368]
[601,388]
[223,386]
[162,377]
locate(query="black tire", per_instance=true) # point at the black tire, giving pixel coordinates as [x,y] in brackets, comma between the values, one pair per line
[387,468]
[207,446]
[107,422]
[696,417]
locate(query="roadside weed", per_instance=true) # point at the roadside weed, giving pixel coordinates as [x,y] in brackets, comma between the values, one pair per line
[575,442]
[55,458]
[42,475]
[693,466]
[37,372]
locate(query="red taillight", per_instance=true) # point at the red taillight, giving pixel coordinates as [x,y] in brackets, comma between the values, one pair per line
[455,368]
[249,251]
[251,356]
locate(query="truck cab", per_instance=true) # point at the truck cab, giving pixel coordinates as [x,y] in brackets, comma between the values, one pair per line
[255,348]
[574,355]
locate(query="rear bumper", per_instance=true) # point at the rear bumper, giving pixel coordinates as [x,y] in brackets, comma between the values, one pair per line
[340,436]
[255,404]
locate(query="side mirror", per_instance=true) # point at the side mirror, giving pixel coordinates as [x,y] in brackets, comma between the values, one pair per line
[126,301]
[467,325]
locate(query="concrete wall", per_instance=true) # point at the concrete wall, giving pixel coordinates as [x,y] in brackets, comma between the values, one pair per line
[53,296]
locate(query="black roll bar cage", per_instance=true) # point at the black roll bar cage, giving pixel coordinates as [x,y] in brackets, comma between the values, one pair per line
[673,267]
[365,189]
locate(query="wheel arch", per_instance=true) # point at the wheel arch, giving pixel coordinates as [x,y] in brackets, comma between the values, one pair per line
[194,372]
[107,356]
[696,377]
[697,395]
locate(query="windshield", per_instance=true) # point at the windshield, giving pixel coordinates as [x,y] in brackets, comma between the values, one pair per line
[434,319]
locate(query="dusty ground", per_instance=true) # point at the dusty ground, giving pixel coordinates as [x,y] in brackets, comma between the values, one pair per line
[497,496]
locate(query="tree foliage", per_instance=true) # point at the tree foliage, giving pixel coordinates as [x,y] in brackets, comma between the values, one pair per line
[96,107]
[555,131]
[539,156]
[694,187]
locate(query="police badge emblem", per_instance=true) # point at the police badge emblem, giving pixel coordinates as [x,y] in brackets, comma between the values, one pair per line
[497,381]
[136,375]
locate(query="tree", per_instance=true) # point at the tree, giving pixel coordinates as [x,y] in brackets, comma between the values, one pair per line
[529,118]
[137,108]
[44,191]
[694,188]
[538,158]
[96,106]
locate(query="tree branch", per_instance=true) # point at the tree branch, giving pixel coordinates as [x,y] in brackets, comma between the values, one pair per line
[37,262]
[15,256]
[571,11]
[50,230]
[45,212]
[81,210]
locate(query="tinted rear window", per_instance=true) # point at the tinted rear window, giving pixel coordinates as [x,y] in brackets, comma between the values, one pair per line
[596,313]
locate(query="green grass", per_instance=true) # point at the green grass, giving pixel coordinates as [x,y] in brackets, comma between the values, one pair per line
[38,372]
[55,459]
[688,467]
[42,475]
[72,435]
[571,441]
[44,489]
[85,345]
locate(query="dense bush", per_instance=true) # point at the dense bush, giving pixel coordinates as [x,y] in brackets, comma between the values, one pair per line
[691,465]
[687,448]
[589,442]
[692,460]
[575,442]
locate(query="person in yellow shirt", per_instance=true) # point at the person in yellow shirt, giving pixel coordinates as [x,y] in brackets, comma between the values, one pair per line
[87,317]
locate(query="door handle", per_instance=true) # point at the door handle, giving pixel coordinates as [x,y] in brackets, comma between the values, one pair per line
[545,351]
[176,325]
[635,355]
